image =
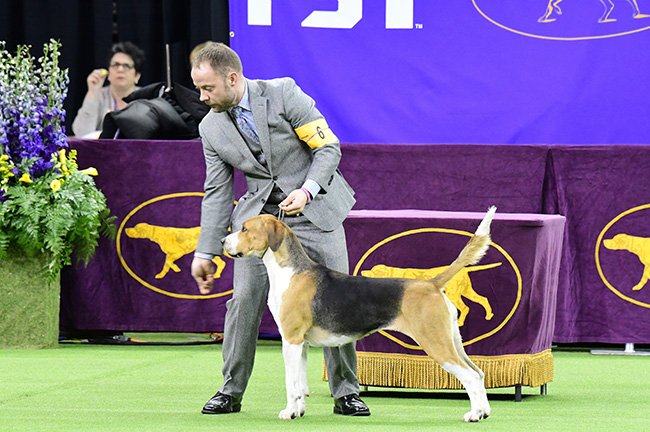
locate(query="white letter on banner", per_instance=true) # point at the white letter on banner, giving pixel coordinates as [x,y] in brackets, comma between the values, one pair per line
[259,12]
[347,16]
[399,14]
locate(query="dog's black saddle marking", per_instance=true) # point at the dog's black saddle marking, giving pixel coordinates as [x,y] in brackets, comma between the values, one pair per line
[353,305]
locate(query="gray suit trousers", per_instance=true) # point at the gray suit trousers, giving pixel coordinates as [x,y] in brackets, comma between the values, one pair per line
[245,309]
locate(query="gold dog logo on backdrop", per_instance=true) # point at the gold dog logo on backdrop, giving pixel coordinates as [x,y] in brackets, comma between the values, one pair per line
[459,287]
[174,243]
[554,11]
[635,247]
[568,20]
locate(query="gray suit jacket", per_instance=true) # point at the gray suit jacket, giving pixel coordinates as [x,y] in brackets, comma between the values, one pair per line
[279,107]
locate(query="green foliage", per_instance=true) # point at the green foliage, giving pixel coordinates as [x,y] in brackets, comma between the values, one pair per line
[47,205]
[59,213]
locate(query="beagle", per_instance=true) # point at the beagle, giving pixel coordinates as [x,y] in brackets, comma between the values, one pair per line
[313,305]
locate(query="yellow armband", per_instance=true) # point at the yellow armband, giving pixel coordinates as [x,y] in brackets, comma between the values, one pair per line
[316,134]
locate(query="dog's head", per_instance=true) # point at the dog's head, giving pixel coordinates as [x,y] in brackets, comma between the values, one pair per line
[620,241]
[141,230]
[256,236]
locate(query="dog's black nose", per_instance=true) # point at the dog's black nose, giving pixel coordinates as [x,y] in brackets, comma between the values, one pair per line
[223,240]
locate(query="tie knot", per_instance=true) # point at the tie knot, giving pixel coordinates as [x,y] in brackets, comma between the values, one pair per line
[237,111]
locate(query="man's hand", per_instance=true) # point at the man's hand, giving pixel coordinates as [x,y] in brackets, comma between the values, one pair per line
[295,203]
[203,272]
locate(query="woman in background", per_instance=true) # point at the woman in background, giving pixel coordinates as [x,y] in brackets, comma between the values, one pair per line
[124,71]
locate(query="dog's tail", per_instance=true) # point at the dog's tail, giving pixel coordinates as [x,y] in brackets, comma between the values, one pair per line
[472,252]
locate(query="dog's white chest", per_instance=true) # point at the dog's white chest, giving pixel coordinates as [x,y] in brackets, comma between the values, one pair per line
[279,278]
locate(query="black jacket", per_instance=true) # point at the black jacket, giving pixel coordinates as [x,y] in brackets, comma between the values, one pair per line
[153,113]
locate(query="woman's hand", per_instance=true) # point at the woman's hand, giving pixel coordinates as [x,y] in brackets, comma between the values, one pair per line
[96,81]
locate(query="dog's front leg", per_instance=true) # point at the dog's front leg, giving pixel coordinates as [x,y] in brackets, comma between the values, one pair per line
[303,370]
[644,280]
[293,360]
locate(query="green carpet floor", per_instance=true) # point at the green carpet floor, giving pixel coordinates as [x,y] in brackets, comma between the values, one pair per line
[83,387]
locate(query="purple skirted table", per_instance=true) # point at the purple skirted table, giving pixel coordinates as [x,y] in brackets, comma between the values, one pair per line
[506,302]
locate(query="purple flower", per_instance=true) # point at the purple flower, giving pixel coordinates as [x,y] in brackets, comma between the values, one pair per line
[31,108]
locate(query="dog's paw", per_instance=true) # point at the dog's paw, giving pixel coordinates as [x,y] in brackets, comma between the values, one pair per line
[475,415]
[290,414]
[287,414]
[302,406]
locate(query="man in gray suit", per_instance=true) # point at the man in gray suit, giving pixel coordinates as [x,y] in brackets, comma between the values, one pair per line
[271,131]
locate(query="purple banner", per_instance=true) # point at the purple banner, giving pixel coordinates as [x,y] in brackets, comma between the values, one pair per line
[604,295]
[470,71]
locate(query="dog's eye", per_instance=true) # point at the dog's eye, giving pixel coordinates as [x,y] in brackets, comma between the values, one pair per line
[244,229]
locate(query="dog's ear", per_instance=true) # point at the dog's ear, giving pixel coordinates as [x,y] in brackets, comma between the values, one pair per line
[276,234]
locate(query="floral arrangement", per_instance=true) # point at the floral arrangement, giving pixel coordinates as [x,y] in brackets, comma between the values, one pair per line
[46,203]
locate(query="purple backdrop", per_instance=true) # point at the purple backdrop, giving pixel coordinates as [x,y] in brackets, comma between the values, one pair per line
[602,190]
[470,71]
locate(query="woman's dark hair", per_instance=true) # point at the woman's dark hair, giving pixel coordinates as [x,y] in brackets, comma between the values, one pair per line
[132,51]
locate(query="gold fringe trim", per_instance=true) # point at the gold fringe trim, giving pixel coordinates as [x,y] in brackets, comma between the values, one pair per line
[420,372]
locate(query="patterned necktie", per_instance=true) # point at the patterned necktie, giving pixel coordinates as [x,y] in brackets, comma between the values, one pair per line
[244,125]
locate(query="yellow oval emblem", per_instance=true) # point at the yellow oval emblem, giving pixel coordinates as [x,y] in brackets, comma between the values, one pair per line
[460,286]
[166,244]
[627,248]
[567,21]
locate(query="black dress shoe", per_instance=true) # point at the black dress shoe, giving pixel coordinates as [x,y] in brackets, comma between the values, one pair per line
[222,404]
[351,405]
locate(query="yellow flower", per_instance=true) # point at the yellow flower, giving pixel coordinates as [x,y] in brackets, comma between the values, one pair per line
[25,178]
[64,163]
[4,157]
[89,171]
[56,185]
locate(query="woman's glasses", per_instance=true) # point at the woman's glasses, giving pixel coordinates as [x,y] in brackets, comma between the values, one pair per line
[125,66]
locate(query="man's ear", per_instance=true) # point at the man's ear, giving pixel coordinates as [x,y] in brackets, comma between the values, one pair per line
[232,78]
[276,234]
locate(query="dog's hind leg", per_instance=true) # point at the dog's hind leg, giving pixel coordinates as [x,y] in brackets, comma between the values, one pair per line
[475,382]
[432,323]
[609,7]
[470,376]
[483,301]
[295,379]
[483,409]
